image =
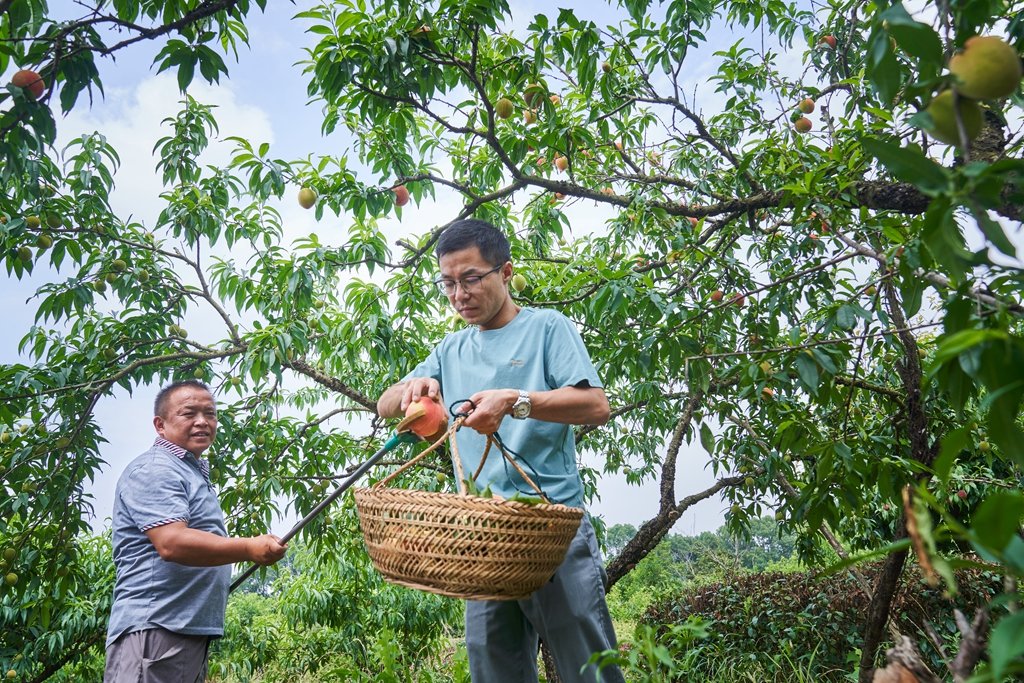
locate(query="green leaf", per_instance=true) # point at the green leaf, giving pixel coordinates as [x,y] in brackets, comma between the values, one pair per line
[997,519]
[941,235]
[913,292]
[884,70]
[807,369]
[846,317]
[953,443]
[856,558]
[1006,643]
[185,72]
[910,165]
[914,37]
[953,345]
[995,234]
[1004,431]
[707,439]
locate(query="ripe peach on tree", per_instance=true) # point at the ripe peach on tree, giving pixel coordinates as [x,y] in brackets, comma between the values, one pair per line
[401,193]
[944,119]
[30,81]
[533,94]
[988,68]
[503,108]
[307,197]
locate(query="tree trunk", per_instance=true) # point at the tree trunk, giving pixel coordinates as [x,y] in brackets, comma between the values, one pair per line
[878,612]
[550,672]
[917,425]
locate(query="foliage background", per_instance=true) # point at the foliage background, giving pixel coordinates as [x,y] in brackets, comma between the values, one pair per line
[833,318]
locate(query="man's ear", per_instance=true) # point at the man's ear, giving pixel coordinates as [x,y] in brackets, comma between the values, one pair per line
[158,424]
[506,271]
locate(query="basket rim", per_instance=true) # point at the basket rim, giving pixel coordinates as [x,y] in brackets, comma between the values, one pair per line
[497,500]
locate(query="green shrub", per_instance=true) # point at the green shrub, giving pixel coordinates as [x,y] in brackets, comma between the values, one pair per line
[800,621]
[42,629]
[331,618]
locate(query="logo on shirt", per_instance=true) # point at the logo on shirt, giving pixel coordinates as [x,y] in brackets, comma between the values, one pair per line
[516,363]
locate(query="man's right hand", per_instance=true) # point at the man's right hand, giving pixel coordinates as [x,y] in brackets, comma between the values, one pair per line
[266,549]
[399,396]
[418,387]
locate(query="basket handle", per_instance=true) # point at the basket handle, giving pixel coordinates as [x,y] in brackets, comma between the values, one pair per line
[491,441]
[449,434]
[433,447]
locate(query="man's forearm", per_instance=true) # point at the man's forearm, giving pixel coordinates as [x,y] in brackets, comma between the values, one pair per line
[571,405]
[179,543]
[390,402]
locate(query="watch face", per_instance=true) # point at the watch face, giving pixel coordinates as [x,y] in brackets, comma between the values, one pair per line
[521,408]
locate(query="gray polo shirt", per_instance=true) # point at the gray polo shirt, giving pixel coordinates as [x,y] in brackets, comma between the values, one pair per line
[163,485]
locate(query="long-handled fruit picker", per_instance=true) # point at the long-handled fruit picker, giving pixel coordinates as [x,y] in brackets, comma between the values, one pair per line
[423,419]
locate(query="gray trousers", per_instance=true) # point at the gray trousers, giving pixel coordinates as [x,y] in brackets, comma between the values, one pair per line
[156,655]
[569,613]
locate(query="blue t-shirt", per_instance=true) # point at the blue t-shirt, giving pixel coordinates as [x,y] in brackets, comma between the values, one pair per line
[155,488]
[537,350]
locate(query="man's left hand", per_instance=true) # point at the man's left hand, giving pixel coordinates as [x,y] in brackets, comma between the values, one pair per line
[491,408]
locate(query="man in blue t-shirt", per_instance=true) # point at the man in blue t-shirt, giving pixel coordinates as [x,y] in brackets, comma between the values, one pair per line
[530,365]
[171,549]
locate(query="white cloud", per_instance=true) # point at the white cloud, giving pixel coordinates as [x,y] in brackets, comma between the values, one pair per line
[133,121]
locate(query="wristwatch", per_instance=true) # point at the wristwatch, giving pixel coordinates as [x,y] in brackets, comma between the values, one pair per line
[521,408]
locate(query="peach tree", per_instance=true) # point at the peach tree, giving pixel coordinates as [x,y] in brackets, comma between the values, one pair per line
[786,235]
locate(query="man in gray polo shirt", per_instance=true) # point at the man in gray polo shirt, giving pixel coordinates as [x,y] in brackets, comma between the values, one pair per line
[171,549]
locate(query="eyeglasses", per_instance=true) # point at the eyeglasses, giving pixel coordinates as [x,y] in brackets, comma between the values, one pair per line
[468,284]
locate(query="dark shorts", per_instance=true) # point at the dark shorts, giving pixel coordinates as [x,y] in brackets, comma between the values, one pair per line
[156,655]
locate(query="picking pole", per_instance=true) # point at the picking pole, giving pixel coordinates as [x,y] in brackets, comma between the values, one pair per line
[390,445]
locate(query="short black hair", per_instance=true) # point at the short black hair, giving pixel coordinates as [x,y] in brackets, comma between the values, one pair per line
[160,404]
[473,232]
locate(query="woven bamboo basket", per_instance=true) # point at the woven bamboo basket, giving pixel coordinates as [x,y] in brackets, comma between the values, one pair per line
[460,545]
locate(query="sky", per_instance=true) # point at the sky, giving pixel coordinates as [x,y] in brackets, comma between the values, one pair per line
[264,100]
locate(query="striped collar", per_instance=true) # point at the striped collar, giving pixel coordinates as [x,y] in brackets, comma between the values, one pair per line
[176,450]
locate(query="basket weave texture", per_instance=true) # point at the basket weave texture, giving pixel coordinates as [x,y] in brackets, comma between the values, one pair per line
[463,546]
